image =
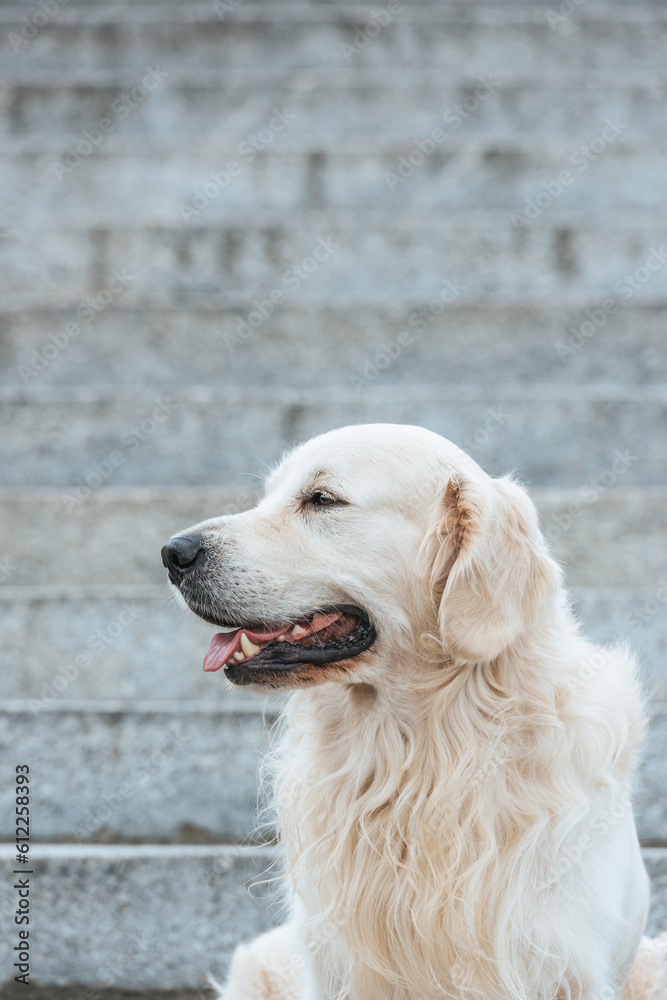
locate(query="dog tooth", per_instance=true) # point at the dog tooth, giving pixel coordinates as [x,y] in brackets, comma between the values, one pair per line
[321,621]
[238,656]
[248,647]
[298,631]
[282,638]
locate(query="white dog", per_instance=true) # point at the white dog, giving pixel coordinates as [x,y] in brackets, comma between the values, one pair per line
[454,774]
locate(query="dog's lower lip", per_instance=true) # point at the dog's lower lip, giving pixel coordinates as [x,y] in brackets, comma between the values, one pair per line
[340,633]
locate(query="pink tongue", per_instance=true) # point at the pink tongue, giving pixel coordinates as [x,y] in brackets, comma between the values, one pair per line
[225,644]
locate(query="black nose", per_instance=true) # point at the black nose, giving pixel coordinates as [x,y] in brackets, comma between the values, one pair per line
[181,552]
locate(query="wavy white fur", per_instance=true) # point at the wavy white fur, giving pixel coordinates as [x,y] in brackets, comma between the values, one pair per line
[456,809]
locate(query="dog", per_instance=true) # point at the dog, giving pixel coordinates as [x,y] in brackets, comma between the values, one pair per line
[454,772]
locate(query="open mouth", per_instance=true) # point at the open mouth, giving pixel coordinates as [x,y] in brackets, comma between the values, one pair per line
[254,654]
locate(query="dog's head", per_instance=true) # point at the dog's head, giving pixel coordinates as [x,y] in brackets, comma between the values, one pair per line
[366,538]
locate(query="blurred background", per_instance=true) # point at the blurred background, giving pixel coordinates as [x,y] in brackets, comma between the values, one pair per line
[225,227]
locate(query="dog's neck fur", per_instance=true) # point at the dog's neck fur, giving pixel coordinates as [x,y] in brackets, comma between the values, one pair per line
[422,800]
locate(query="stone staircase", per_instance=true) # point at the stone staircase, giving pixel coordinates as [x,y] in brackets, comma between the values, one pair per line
[226,227]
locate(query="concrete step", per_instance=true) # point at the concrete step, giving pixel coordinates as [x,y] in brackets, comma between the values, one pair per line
[156,917]
[80,440]
[633,616]
[518,344]
[167,771]
[13,991]
[623,42]
[111,642]
[328,105]
[112,190]
[157,771]
[359,256]
[140,917]
[114,537]
[599,5]
[104,642]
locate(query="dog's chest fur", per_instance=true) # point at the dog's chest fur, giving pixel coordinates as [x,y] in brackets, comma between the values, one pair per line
[417,843]
[386,832]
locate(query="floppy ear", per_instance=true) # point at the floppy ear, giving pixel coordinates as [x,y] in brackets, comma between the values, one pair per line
[491,571]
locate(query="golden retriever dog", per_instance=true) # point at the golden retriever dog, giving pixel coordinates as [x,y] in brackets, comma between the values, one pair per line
[454,771]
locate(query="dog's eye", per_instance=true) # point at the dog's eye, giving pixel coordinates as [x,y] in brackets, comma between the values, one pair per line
[320,498]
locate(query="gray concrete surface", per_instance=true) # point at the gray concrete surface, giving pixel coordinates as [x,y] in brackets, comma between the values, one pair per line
[140,917]
[600,6]
[484,257]
[520,345]
[171,772]
[476,178]
[13,991]
[650,804]
[328,104]
[203,437]
[460,41]
[656,863]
